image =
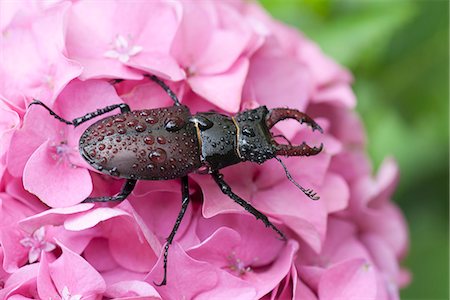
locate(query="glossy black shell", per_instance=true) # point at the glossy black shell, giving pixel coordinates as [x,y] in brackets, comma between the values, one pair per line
[151,144]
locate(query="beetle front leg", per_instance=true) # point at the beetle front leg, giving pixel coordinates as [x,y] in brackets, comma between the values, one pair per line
[165,88]
[184,205]
[89,116]
[226,189]
[124,193]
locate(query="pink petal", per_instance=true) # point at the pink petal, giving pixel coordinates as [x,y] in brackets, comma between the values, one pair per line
[21,282]
[355,279]
[223,90]
[159,210]
[15,255]
[98,254]
[193,35]
[54,216]
[45,284]
[37,127]
[263,84]
[224,235]
[83,279]
[132,290]
[305,217]
[61,186]
[340,94]
[239,177]
[335,193]
[92,218]
[160,64]
[32,68]
[187,277]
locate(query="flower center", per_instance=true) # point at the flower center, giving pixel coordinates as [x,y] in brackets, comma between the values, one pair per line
[238,266]
[36,244]
[62,152]
[65,295]
[122,49]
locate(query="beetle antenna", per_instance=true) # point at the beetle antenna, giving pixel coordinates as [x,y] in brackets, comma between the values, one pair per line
[308,192]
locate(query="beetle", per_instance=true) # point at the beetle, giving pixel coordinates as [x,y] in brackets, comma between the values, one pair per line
[169,142]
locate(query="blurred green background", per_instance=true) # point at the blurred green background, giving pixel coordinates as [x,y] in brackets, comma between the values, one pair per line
[398,52]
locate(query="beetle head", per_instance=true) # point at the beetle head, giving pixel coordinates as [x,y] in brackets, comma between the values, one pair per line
[255,141]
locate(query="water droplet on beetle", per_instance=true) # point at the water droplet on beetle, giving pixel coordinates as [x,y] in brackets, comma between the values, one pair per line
[151,120]
[114,172]
[132,123]
[161,140]
[149,140]
[122,130]
[173,124]
[140,128]
[101,147]
[158,155]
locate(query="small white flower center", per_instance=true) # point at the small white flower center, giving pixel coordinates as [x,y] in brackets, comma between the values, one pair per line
[122,49]
[65,295]
[36,244]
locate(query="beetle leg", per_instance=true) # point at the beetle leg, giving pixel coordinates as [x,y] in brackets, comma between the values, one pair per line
[184,204]
[77,121]
[126,190]
[165,88]
[226,189]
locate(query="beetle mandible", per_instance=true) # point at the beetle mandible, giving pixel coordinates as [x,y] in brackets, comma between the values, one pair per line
[205,143]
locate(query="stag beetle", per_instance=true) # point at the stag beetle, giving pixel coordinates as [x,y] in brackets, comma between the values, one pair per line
[169,142]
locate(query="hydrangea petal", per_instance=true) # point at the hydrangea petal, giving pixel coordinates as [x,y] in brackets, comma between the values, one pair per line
[61,186]
[354,279]
[225,89]
[132,289]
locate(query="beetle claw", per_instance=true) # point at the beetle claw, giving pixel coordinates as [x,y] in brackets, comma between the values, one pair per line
[279,114]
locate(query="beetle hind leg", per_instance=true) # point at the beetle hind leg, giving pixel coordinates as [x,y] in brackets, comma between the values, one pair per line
[226,189]
[184,205]
[124,193]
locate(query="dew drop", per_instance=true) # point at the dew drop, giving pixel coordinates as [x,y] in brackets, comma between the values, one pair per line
[158,155]
[119,119]
[173,124]
[118,139]
[132,123]
[103,160]
[114,172]
[101,147]
[161,140]
[122,130]
[140,128]
[110,132]
[151,120]
[149,140]
[92,153]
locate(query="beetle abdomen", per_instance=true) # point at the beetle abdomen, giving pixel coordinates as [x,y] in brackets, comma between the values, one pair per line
[154,144]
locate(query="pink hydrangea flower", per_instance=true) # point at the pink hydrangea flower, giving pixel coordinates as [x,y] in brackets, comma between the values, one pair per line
[224,56]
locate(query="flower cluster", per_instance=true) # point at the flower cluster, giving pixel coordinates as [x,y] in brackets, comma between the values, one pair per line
[225,56]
